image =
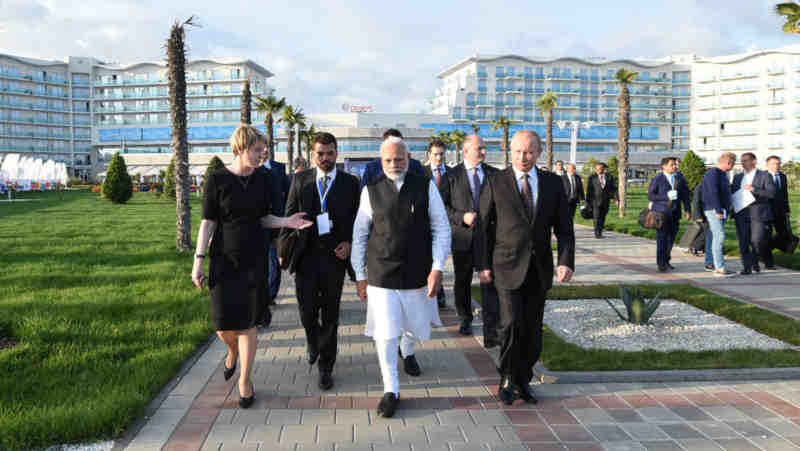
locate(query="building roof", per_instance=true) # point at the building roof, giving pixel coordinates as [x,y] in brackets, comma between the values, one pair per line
[594,61]
[227,61]
[34,61]
[739,57]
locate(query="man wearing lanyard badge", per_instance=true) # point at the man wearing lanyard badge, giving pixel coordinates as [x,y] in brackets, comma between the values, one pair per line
[330,197]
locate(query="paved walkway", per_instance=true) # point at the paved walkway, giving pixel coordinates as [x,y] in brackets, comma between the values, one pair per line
[451,407]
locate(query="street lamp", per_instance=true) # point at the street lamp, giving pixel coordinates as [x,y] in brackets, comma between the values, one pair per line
[573,142]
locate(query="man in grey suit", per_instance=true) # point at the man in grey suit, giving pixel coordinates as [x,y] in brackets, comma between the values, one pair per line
[752,221]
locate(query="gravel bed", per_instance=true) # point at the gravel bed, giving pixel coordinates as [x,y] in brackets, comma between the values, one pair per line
[593,324]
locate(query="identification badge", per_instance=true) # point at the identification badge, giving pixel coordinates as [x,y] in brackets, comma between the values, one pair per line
[324,223]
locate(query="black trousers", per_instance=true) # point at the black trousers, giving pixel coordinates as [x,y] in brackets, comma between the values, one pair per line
[753,242]
[781,234]
[319,280]
[573,205]
[464,266]
[666,237]
[521,314]
[599,212]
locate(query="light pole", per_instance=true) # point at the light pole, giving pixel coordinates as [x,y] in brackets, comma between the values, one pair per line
[573,142]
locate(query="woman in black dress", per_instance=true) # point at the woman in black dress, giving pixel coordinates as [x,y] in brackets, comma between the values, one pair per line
[235,212]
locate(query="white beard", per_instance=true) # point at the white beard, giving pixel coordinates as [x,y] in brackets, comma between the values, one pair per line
[396,177]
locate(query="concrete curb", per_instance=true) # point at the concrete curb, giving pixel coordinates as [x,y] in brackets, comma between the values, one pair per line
[546,376]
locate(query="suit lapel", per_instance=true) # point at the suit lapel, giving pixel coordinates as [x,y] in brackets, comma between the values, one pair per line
[313,193]
[538,194]
[511,179]
[464,180]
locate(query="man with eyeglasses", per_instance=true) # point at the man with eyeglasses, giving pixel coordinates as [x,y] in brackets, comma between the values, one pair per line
[752,221]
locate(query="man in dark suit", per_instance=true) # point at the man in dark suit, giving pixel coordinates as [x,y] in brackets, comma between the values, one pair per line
[436,171]
[599,192]
[467,180]
[573,187]
[374,169]
[279,184]
[667,192]
[752,221]
[322,251]
[781,211]
[523,208]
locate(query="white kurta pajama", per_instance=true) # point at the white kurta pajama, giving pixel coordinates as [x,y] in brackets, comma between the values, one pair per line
[393,313]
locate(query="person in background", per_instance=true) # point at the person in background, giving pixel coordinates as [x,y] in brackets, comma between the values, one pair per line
[573,187]
[279,186]
[780,209]
[559,168]
[236,209]
[717,204]
[600,190]
[374,170]
[667,193]
[436,170]
[752,221]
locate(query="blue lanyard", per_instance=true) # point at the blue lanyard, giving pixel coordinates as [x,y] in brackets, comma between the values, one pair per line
[324,195]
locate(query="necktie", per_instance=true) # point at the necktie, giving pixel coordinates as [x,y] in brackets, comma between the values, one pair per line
[323,191]
[527,197]
[777,181]
[571,187]
[476,183]
[602,181]
[438,177]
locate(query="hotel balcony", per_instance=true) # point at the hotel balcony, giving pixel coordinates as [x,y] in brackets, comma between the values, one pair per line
[706,78]
[775,115]
[706,120]
[32,106]
[775,70]
[736,75]
[706,92]
[738,89]
[37,78]
[775,131]
[740,132]
[740,118]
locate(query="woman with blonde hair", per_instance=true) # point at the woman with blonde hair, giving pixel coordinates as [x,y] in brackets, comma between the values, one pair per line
[235,211]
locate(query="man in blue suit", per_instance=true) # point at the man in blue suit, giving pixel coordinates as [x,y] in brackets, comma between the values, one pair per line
[374,168]
[279,186]
[667,192]
[752,222]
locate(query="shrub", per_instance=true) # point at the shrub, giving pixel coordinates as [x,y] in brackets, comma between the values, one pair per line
[118,186]
[169,180]
[213,165]
[693,168]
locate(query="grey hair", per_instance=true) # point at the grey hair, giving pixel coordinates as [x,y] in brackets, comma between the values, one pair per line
[394,140]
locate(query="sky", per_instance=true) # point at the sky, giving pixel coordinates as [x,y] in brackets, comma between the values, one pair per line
[385,54]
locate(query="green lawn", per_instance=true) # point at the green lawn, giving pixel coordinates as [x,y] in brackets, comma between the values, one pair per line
[103,308]
[558,355]
[637,201]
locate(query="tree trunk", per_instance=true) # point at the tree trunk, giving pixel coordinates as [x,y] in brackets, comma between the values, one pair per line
[176,61]
[247,98]
[270,136]
[505,145]
[550,140]
[624,125]
[290,149]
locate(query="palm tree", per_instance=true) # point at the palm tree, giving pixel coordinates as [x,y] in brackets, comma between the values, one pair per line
[624,78]
[505,124]
[458,137]
[307,136]
[292,116]
[475,128]
[270,105]
[547,103]
[176,66]
[791,12]
[247,99]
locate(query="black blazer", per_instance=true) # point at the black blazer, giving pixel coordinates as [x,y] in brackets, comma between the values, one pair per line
[579,196]
[342,202]
[279,189]
[458,200]
[596,195]
[763,191]
[444,184]
[514,242]
[780,203]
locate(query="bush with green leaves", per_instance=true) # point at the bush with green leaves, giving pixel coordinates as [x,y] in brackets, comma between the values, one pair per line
[213,165]
[693,168]
[118,186]
[613,166]
[169,180]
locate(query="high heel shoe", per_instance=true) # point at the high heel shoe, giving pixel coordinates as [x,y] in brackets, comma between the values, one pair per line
[244,403]
[228,372]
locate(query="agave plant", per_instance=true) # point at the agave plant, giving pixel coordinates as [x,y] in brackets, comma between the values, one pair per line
[639,309]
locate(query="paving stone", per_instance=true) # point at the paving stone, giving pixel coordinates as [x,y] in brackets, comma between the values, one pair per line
[608,432]
[489,417]
[662,446]
[507,447]
[315,447]
[418,417]
[680,431]
[232,446]
[715,429]
[225,416]
[399,433]
[354,447]
[757,412]
[167,417]
[725,413]
[623,446]
[750,429]
[318,416]
[209,445]
[572,433]
[299,433]
[263,433]
[644,431]
[590,416]
[444,434]
[352,416]
[389,447]
[773,443]
[738,444]
[700,445]
[481,434]
[691,414]
[284,416]
[227,432]
[467,447]
[782,427]
[658,414]
[154,434]
[509,434]
[250,416]
[335,433]
[373,433]
[624,415]
[455,417]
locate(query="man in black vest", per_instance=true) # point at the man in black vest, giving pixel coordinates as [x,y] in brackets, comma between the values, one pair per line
[523,208]
[573,187]
[599,192]
[322,251]
[401,241]
[467,181]
[436,170]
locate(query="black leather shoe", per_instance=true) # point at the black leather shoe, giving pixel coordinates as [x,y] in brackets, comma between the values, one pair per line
[770,268]
[506,391]
[325,380]
[245,403]
[442,304]
[709,268]
[745,272]
[411,366]
[670,266]
[388,405]
[228,372]
[312,357]
[756,268]
[526,394]
[490,342]
[662,269]
[466,328]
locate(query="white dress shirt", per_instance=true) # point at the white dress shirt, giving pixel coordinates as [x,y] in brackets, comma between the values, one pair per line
[748,177]
[470,170]
[533,181]
[440,229]
[268,165]
[320,176]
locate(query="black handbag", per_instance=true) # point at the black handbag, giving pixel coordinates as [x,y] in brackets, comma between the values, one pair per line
[287,248]
[587,212]
[650,219]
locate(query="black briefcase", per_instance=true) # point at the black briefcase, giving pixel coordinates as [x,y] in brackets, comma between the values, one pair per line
[587,212]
